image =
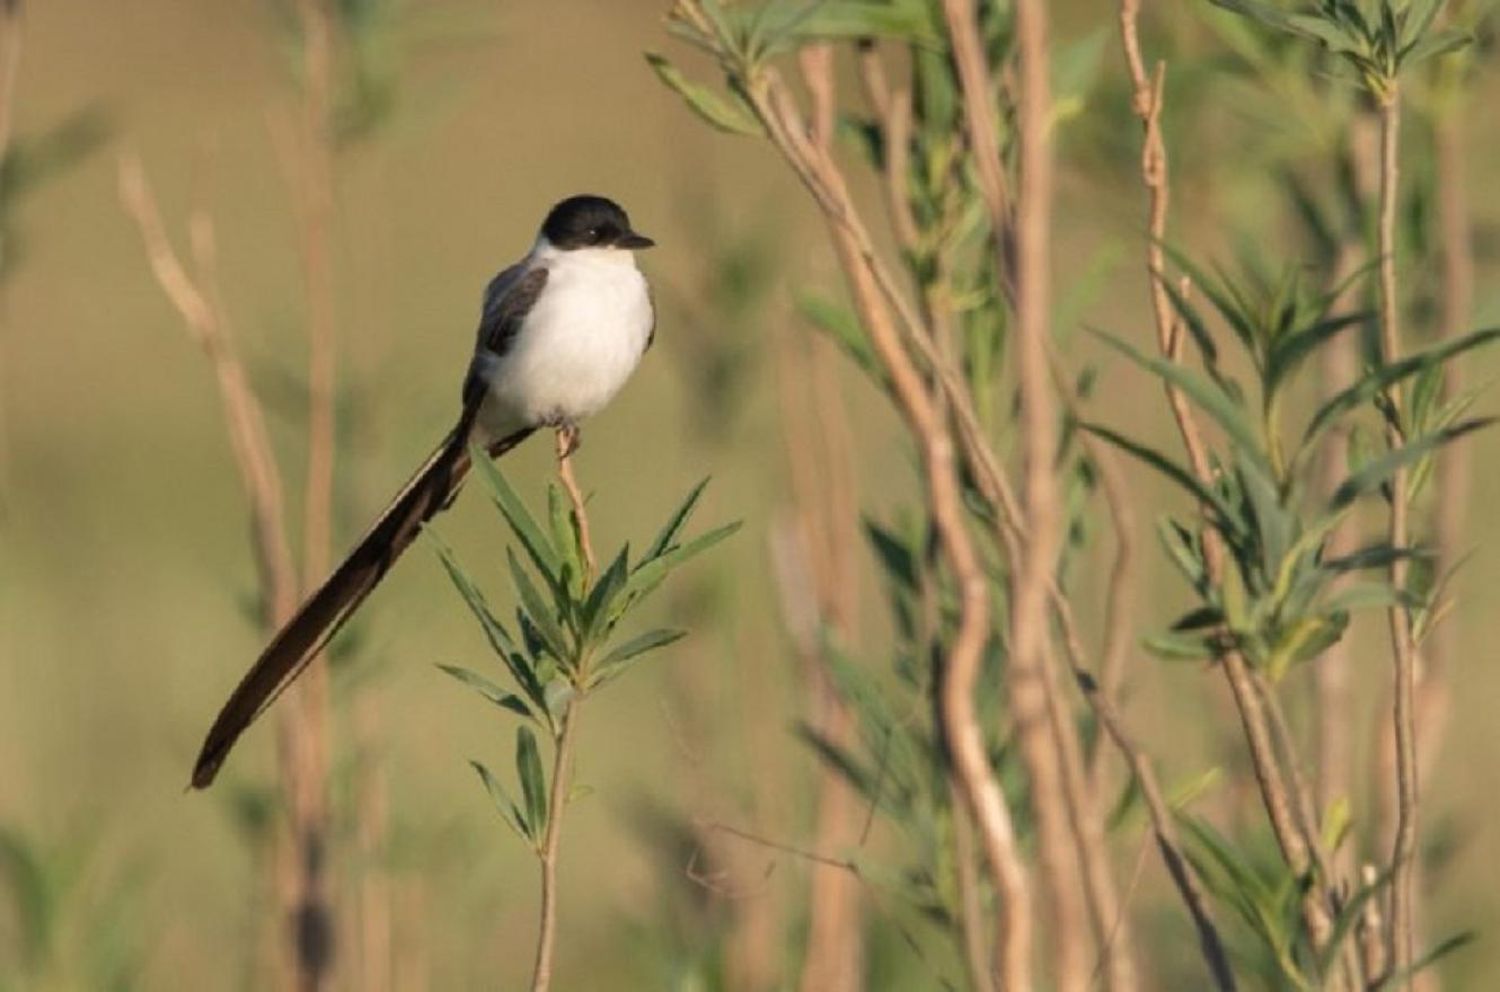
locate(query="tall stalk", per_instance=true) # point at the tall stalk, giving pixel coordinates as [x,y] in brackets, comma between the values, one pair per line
[1403,712]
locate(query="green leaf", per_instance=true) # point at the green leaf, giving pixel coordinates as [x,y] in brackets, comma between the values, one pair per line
[1381,469]
[538,610]
[728,115]
[1376,381]
[649,574]
[1375,556]
[1210,398]
[614,664]
[499,638]
[840,324]
[840,19]
[1335,37]
[1367,595]
[533,780]
[565,539]
[1307,638]
[489,690]
[1442,950]
[1231,309]
[538,548]
[896,559]
[1289,353]
[1205,496]
[1183,550]
[507,808]
[678,520]
[1179,647]
[602,596]
[1441,43]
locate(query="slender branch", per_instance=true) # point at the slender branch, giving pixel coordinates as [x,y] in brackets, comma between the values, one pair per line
[970,909]
[305,758]
[1163,823]
[567,444]
[1404,650]
[1120,591]
[562,761]
[965,739]
[207,322]
[1275,795]
[1028,669]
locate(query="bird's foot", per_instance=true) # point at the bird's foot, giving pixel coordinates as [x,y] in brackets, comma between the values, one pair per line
[569,440]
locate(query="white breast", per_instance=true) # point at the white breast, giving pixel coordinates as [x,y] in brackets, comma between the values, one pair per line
[575,349]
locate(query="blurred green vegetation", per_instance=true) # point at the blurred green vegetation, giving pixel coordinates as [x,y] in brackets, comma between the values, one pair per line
[123,564]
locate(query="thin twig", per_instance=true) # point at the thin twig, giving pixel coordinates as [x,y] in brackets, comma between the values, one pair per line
[1028,670]
[567,444]
[562,761]
[1403,712]
[1275,796]
[965,739]
[196,302]
[1163,823]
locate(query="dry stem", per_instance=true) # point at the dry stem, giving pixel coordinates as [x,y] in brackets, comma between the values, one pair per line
[198,303]
[1404,650]
[981,791]
[1027,669]
[1295,845]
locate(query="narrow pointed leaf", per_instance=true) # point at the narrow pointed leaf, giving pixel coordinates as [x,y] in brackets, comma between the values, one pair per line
[507,808]
[489,690]
[1211,398]
[615,662]
[648,574]
[725,113]
[1381,469]
[538,546]
[565,540]
[1205,496]
[1289,353]
[1378,380]
[533,780]
[538,610]
[676,522]
[596,607]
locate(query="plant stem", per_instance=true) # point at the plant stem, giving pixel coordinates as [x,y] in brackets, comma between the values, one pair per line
[1403,855]
[1028,668]
[567,444]
[546,939]
[1269,777]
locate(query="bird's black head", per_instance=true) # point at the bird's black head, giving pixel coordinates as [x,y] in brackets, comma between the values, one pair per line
[591,222]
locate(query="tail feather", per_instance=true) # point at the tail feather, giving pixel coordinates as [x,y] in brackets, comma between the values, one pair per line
[320,616]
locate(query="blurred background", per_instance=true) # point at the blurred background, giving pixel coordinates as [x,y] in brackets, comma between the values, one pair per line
[127,590]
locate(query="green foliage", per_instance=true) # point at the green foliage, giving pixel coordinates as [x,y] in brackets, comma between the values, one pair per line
[1275,601]
[564,644]
[1374,38]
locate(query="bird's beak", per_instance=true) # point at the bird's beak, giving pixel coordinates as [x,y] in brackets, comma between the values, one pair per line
[633,241]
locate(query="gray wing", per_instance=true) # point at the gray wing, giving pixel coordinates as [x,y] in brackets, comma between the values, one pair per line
[508,299]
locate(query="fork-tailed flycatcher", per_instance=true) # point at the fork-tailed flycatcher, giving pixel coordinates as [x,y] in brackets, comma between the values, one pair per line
[560,332]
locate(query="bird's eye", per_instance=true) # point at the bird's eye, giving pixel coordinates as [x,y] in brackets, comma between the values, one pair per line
[595,234]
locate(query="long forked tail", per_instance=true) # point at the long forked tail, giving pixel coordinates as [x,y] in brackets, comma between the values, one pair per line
[321,615]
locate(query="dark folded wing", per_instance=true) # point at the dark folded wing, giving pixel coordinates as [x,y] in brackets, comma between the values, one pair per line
[507,301]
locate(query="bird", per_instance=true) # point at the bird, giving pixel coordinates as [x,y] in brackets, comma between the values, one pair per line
[559,334]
